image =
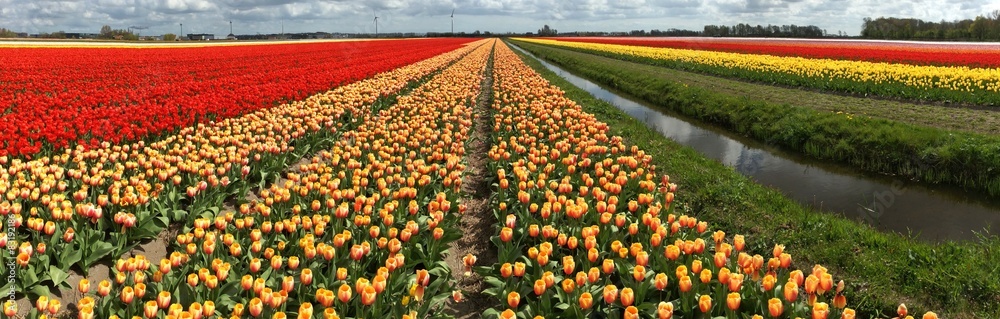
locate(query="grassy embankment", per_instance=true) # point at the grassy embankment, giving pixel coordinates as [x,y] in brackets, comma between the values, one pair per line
[880,139]
[956,280]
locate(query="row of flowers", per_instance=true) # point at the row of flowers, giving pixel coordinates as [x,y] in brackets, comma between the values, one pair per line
[938,83]
[83,205]
[586,227]
[943,54]
[52,98]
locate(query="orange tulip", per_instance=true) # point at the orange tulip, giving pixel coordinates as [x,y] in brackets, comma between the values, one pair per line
[423,277]
[539,287]
[508,314]
[610,294]
[514,299]
[42,303]
[797,276]
[768,282]
[664,310]
[820,310]
[672,252]
[681,271]
[379,283]
[733,301]
[506,234]
[791,291]
[696,266]
[775,307]
[10,309]
[568,285]
[519,269]
[127,295]
[506,270]
[83,286]
[568,265]
[901,310]
[631,312]
[54,306]
[705,303]
[627,296]
[812,282]
[104,288]
[705,276]
[930,315]
[685,284]
[306,276]
[850,314]
[256,307]
[586,300]
[840,301]
[368,295]
[660,281]
[593,274]
[150,309]
[735,282]
[639,273]
[344,293]
[163,299]
[608,266]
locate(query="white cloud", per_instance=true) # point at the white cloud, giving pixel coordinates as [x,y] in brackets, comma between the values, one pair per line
[267,16]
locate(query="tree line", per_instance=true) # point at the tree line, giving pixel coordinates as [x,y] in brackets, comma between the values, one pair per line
[982,28]
[746,30]
[738,30]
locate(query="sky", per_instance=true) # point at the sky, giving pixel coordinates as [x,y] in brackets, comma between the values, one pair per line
[498,16]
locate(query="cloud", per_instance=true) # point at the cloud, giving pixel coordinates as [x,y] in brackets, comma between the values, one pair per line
[268,16]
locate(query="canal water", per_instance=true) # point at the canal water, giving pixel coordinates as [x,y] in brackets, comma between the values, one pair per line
[929,212]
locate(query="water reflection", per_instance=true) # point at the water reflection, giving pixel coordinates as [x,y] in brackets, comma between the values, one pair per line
[933,213]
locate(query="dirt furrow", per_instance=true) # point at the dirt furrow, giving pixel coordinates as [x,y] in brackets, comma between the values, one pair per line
[478,222]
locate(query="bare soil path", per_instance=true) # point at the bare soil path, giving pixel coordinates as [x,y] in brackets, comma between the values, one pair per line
[478,222]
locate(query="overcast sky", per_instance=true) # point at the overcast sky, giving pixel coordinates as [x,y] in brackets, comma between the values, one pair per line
[267,16]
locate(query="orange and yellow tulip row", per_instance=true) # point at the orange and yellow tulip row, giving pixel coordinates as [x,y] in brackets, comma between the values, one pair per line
[920,81]
[309,234]
[586,227]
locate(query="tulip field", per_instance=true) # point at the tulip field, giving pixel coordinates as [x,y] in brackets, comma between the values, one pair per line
[949,54]
[920,74]
[324,180]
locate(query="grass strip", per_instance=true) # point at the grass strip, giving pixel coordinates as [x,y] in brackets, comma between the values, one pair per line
[876,145]
[881,269]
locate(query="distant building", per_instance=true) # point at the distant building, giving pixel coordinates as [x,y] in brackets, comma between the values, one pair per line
[78,35]
[231,37]
[200,36]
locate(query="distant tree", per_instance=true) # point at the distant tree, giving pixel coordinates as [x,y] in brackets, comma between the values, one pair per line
[546,31]
[107,32]
[169,37]
[4,33]
[982,28]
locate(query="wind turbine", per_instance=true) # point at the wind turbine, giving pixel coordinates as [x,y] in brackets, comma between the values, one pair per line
[376,24]
[452,21]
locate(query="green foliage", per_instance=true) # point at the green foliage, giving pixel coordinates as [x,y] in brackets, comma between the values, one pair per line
[4,33]
[982,28]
